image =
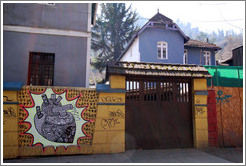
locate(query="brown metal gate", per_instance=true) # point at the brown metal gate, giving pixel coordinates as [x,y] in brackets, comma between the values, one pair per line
[158,113]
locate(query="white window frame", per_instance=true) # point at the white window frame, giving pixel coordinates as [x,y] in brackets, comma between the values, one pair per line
[185,56]
[207,56]
[162,45]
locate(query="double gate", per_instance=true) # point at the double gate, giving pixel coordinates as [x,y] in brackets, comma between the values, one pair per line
[158,113]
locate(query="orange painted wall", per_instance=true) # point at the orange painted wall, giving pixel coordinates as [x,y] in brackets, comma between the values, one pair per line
[229,107]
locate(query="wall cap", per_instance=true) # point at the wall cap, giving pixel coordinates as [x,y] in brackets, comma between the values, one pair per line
[107,89]
[12,86]
[201,92]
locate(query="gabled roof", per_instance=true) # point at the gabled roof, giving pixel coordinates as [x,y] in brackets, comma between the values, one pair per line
[160,17]
[156,18]
[237,48]
[156,69]
[200,44]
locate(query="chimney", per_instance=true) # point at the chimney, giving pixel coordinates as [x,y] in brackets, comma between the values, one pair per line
[207,40]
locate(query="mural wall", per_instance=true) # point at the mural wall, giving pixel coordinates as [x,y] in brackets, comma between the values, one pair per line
[57,118]
[229,107]
[40,121]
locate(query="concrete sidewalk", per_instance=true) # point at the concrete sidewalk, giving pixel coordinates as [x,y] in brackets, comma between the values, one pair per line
[231,154]
[144,156]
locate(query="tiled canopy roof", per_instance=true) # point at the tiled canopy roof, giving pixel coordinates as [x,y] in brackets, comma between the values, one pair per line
[196,43]
[157,69]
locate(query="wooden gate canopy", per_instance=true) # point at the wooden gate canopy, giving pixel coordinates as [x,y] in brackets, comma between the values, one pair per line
[156,69]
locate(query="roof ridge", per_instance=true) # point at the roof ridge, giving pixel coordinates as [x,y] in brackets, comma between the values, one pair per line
[159,16]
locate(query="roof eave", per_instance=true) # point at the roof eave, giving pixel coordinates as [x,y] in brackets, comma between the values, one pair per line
[214,48]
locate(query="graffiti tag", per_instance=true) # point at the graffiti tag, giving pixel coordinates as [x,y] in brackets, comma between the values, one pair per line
[9,112]
[111,99]
[221,99]
[198,101]
[199,111]
[113,119]
[6,99]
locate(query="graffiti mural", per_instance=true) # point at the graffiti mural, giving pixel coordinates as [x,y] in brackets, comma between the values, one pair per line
[112,120]
[54,119]
[112,99]
[199,111]
[221,99]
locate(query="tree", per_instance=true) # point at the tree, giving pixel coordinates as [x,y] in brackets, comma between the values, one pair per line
[114,28]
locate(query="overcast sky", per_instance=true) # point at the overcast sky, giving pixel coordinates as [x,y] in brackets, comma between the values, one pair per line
[206,15]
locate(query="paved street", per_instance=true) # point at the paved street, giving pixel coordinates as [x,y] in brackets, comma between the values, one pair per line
[209,155]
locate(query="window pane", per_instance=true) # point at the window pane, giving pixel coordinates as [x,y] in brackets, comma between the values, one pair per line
[159,53]
[164,53]
[162,50]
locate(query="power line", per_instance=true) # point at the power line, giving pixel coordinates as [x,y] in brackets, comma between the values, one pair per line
[212,4]
[203,21]
[219,20]
[228,22]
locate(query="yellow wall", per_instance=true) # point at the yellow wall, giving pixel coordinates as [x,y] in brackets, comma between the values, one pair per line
[104,116]
[103,113]
[18,142]
[10,124]
[109,134]
[200,122]
[117,82]
[200,84]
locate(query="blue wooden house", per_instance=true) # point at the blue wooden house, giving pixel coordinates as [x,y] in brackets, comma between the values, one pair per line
[160,40]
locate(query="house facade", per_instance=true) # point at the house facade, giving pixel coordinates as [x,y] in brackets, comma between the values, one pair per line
[161,40]
[236,59]
[47,43]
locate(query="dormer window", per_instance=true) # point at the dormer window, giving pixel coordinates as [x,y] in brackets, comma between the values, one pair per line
[162,50]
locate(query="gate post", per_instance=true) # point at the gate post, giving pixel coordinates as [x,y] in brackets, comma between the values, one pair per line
[199,112]
[109,135]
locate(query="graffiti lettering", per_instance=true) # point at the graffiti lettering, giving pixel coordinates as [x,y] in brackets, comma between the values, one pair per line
[116,114]
[221,99]
[200,111]
[6,99]
[113,119]
[198,101]
[9,112]
[111,99]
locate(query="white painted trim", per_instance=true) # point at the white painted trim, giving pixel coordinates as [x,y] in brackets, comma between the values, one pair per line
[207,54]
[88,50]
[46,31]
[186,56]
[132,50]
[89,17]
[163,45]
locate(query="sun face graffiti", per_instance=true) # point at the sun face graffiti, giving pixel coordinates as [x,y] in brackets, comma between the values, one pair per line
[54,120]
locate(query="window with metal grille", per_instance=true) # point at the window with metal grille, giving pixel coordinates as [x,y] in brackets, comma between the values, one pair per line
[41,69]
